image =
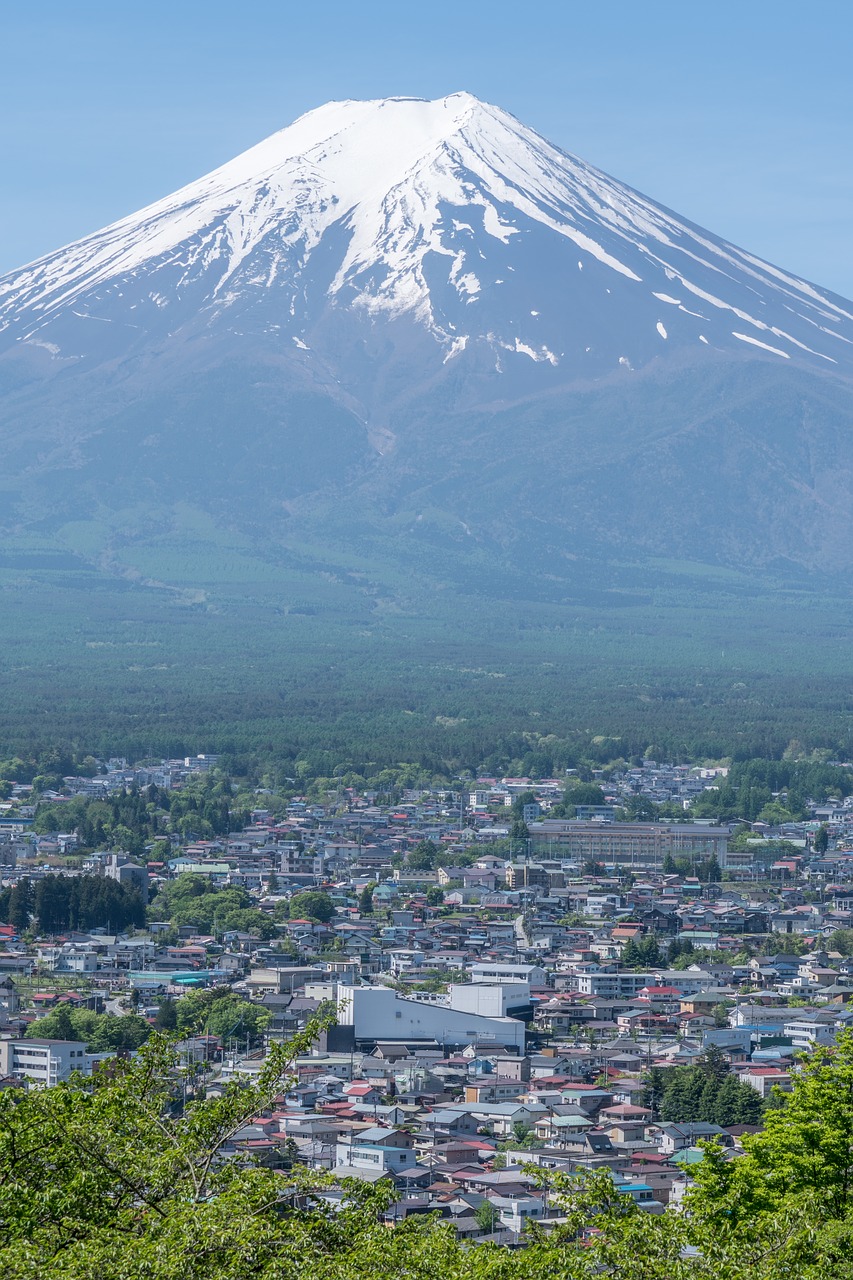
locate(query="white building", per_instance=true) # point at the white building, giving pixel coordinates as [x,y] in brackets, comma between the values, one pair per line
[377,1149]
[533,974]
[45,1062]
[812,1028]
[490,999]
[378,1013]
[622,985]
[68,959]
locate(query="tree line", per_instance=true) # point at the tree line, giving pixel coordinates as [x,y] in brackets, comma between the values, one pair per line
[57,902]
[131,820]
[705,1092]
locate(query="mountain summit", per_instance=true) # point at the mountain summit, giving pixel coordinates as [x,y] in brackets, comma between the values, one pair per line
[404,316]
[450,213]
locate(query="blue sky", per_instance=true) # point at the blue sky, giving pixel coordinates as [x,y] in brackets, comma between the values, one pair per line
[737,115]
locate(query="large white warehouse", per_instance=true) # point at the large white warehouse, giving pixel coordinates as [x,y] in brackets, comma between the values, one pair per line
[378,1013]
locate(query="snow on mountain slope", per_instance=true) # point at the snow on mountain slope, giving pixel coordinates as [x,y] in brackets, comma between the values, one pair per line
[451,213]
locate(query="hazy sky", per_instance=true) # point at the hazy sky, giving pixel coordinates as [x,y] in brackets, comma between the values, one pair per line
[736,115]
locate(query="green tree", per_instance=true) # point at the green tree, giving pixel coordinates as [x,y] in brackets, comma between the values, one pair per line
[365,899]
[219,1011]
[167,1015]
[720,1014]
[640,809]
[709,870]
[841,940]
[118,1034]
[423,856]
[21,904]
[525,797]
[312,904]
[807,1144]
[487,1216]
[101,1033]
[736,1103]
[648,952]
[654,1088]
[821,840]
[521,1131]
[247,920]
[62,1028]
[582,793]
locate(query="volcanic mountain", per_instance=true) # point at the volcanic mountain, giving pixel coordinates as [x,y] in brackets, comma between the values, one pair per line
[404,320]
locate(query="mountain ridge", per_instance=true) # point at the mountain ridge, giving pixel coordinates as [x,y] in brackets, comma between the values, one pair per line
[384,178]
[403,313]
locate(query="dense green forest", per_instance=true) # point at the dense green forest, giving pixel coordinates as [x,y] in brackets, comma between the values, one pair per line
[705,1091]
[56,902]
[375,666]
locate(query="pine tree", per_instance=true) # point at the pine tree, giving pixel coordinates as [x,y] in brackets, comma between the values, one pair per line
[707,1110]
[21,904]
[655,1088]
[727,1107]
[167,1016]
[713,1064]
[63,1028]
[676,1105]
[749,1108]
[365,900]
[649,952]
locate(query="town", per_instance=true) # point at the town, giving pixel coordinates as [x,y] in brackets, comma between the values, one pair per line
[598,972]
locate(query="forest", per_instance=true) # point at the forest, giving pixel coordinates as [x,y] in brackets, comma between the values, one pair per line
[706,1091]
[476,672]
[56,902]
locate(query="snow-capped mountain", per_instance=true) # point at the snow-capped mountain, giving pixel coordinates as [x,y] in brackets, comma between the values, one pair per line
[450,214]
[421,318]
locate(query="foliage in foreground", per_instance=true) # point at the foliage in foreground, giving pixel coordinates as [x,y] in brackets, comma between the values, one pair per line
[99,1180]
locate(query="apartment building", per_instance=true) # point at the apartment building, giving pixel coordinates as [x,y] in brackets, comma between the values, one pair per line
[636,844]
[45,1062]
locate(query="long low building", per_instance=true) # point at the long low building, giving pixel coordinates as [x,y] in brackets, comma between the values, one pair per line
[47,1062]
[380,1014]
[635,844]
